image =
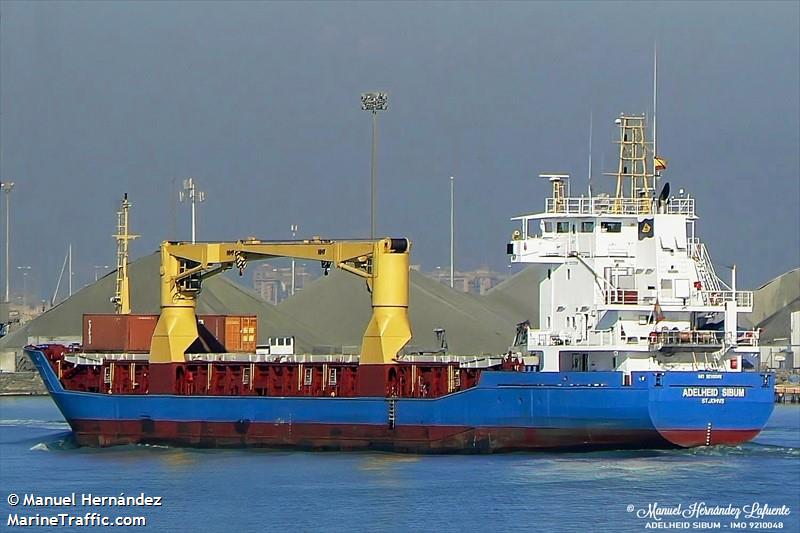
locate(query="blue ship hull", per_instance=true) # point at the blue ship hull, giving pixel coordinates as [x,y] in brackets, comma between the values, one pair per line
[506,411]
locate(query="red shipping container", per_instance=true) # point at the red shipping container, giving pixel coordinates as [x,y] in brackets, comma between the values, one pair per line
[118,333]
[134,333]
[215,324]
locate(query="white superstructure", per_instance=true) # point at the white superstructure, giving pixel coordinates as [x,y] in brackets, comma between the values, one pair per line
[628,285]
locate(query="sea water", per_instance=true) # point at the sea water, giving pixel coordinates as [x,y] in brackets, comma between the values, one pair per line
[749,487]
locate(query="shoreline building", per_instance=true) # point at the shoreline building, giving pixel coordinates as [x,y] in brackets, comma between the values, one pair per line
[274,282]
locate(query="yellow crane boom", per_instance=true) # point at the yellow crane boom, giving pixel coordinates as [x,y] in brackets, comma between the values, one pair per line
[383,263]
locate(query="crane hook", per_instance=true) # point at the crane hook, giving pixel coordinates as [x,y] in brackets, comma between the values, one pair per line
[241,262]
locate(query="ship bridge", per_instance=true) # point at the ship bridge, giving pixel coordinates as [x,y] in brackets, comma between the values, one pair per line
[623,266]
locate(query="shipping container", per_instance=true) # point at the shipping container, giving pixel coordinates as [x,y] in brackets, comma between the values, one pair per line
[241,333]
[236,333]
[118,333]
[133,333]
[215,324]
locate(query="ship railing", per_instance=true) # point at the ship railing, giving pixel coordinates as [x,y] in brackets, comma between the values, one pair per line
[622,297]
[680,206]
[705,268]
[636,297]
[705,338]
[617,206]
[98,359]
[743,299]
[539,337]
[599,337]
[694,337]
[580,206]
[718,298]
[747,337]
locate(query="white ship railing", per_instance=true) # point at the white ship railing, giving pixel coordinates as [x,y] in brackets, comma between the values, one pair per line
[468,361]
[705,268]
[539,337]
[676,338]
[620,206]
[743,299]
[658,339]
[680,206]
[718,298]
[672,338]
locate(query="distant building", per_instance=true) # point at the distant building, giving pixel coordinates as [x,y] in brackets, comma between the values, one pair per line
[476,281]
[274,283]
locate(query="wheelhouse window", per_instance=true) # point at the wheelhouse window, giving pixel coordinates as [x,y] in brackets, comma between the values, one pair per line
[533,228]
[611,227]
[562,227]
[547,226]
[587,226]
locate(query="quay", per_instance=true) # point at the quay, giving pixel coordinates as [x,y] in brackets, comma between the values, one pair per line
[787,393]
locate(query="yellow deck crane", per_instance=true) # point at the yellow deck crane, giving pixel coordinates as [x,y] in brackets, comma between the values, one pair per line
[184,267]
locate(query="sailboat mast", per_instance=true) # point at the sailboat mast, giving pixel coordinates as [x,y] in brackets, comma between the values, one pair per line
[60,277]
[70,269]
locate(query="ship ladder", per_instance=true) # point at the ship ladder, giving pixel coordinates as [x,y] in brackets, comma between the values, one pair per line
[392,411]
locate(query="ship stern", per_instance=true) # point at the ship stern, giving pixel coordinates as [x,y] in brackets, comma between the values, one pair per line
[707,408]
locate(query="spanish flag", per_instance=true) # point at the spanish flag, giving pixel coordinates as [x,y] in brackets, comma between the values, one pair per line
[656,314]
[660,163]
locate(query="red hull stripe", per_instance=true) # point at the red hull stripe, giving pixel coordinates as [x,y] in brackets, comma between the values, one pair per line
[418,439]
[687,438]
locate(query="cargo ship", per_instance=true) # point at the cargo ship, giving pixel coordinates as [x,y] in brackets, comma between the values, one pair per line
[637,346]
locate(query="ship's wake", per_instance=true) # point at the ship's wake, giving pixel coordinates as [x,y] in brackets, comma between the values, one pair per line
[34,423]
[747,449]
[65,441]
[60,442]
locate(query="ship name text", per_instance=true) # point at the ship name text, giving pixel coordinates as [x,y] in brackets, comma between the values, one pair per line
[714,392]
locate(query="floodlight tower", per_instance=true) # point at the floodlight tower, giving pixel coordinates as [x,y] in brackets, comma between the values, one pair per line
[6,187]
[452,231]
[25,270]
[192,195]
[293,228]
[373,102]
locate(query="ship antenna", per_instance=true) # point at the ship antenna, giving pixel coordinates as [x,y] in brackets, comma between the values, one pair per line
[122,295]
[590,154]
[655,106]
